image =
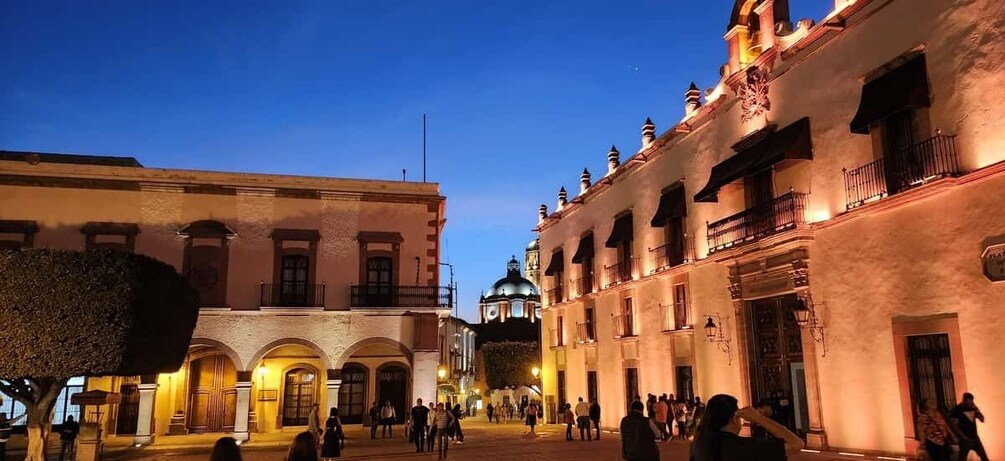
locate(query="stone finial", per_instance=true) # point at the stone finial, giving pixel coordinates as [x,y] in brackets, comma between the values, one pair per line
[692,100]
[648,132]
[542,212]
[584,181]
[563,198]
[613,159]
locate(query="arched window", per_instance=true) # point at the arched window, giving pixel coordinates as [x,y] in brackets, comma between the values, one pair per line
[516,308]
[298,396]
[352,394]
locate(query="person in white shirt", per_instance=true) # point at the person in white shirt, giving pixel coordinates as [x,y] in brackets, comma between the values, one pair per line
[442,421]
[583,420]
[387,417]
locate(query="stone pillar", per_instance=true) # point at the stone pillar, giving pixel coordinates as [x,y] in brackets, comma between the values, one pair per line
[179,397]
[736,41]
[424,364]
[332,385]
[243,386]
[145,414]
[740,326]
[816,437]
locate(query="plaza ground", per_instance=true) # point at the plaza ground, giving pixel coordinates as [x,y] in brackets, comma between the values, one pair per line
[505,441]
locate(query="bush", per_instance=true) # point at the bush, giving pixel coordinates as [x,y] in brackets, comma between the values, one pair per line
[509,363]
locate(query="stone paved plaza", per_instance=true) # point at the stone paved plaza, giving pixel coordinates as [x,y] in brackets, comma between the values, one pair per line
[502,441]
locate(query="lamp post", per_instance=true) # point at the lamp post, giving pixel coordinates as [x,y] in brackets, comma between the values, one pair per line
[806,317]
[714,333]
[452,287]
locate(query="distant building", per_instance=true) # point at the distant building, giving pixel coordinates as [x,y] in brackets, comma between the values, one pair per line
[457,361]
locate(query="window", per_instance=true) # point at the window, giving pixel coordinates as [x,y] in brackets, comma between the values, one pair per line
[759,188]
[352,394]
[108,235]
[128,413]
[631,386]
[627,320]
[379,274]
[591,323]
[930,369]
[17,234]
[560,333]
[591,385]
[298,397]
[206,263]
[556,270]
[901,163]
[682,315]
[685,383]
[561,388]
[293,280]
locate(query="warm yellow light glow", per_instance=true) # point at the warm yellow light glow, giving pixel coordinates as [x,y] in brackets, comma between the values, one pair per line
[821,215]
[535,371]
[442,372]
[262,370]
[476,390]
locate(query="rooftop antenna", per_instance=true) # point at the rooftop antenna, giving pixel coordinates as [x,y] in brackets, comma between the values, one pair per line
[423,147]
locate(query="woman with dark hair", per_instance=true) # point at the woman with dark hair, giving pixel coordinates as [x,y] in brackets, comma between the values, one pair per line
[333,438]
[303,448]
[934,432]
[225,449]
[458,434]
[718,439]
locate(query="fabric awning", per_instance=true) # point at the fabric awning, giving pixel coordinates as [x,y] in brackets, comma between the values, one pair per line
[557,263]
[789,143]
[901,88]
[622,231]
[585,249]
[673,204]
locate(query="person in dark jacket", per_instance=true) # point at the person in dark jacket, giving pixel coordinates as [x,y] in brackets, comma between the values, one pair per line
[595,417]
[638,435]
[420,422]
[333,439]
[68,437]
[374,414]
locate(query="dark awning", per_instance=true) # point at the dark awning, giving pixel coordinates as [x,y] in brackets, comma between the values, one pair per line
[585,249]
[673,204]
[789,143]
[557,263]
[901,88]
[622,231]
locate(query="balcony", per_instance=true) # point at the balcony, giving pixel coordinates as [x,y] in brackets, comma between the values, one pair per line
[584,285]
[585,333]
[624,326]
[780,214]
[668,256]
[557,338]
[926,161]
[375,296]
[676,317]
[292,294]
[555,295]
[621,272]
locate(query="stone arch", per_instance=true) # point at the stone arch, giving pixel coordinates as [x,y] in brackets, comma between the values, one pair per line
[377,340]
[322,355]
[221,347]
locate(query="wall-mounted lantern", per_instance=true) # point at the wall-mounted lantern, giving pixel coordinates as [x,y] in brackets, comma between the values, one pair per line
[715,333]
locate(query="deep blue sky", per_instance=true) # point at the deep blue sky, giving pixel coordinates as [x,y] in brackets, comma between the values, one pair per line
[520,95]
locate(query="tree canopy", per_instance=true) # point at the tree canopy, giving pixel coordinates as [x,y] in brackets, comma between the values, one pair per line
[97,312]
[509,363]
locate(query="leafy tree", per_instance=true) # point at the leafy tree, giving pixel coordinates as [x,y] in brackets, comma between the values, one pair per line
[93,313]
[509,363]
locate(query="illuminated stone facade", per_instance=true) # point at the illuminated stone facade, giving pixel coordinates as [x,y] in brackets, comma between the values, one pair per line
[826,207]
[308,286]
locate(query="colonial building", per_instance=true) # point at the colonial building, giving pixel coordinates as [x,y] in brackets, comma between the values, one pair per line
[823,228]
[457,361]
[313,290]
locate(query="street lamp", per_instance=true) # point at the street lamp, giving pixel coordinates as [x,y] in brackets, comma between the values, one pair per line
[442,372]
[806,317]
[714,334]
[535,371]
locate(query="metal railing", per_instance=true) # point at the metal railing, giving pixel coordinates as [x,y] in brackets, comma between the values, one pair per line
[757,222]
[676,317]
[931,159]
[624,326]
[292,294]
[400,296]
[557,338]
[621,272]
[585,284]
[555,295]
[669,255]
[586,332]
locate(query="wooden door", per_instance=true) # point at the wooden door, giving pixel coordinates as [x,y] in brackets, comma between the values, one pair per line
[212,395]
[298,397]
[293,278]
[777,344]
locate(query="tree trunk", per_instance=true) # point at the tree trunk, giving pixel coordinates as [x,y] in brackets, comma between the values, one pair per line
[39,398]
[39,426]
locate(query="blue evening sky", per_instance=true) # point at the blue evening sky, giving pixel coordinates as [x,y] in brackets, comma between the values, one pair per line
[520,95]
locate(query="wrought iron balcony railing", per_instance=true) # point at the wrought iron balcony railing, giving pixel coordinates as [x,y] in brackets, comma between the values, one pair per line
[292,294]
[557,338]
[586,333]
[556,295]
[671,255]
[928,160]
[400,296]
[585,284]
[624,326]
[676,317]
[621,272]
[777,215]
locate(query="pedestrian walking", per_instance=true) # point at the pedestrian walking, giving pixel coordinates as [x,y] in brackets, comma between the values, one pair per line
[387,418]
[374,415]
[934,432]
[583,420]
[650,406]
[225,449]
[595,416]
[717,437]
[303,448]
[638,435]
[334,439]
[661,408]
[531,417]
[570,419]
[420,422]
[68,438]
[442,420]
[671,420]
[680,415]
[696,413]
[314,422]
[431,437]
[458,432]
[489,410]
[964,417]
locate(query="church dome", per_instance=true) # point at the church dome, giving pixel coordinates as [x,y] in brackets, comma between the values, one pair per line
[513,286]
[534,245]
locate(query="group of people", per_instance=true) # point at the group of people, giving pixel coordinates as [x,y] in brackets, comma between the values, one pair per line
[502,412]
[938,433]
[674,417]
[586,417]
[435,425]
[531,413]
[314,444]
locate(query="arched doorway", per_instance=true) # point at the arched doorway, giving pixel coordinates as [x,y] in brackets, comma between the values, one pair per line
[392,385]
[212,394]
[299,396]
[352,394]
